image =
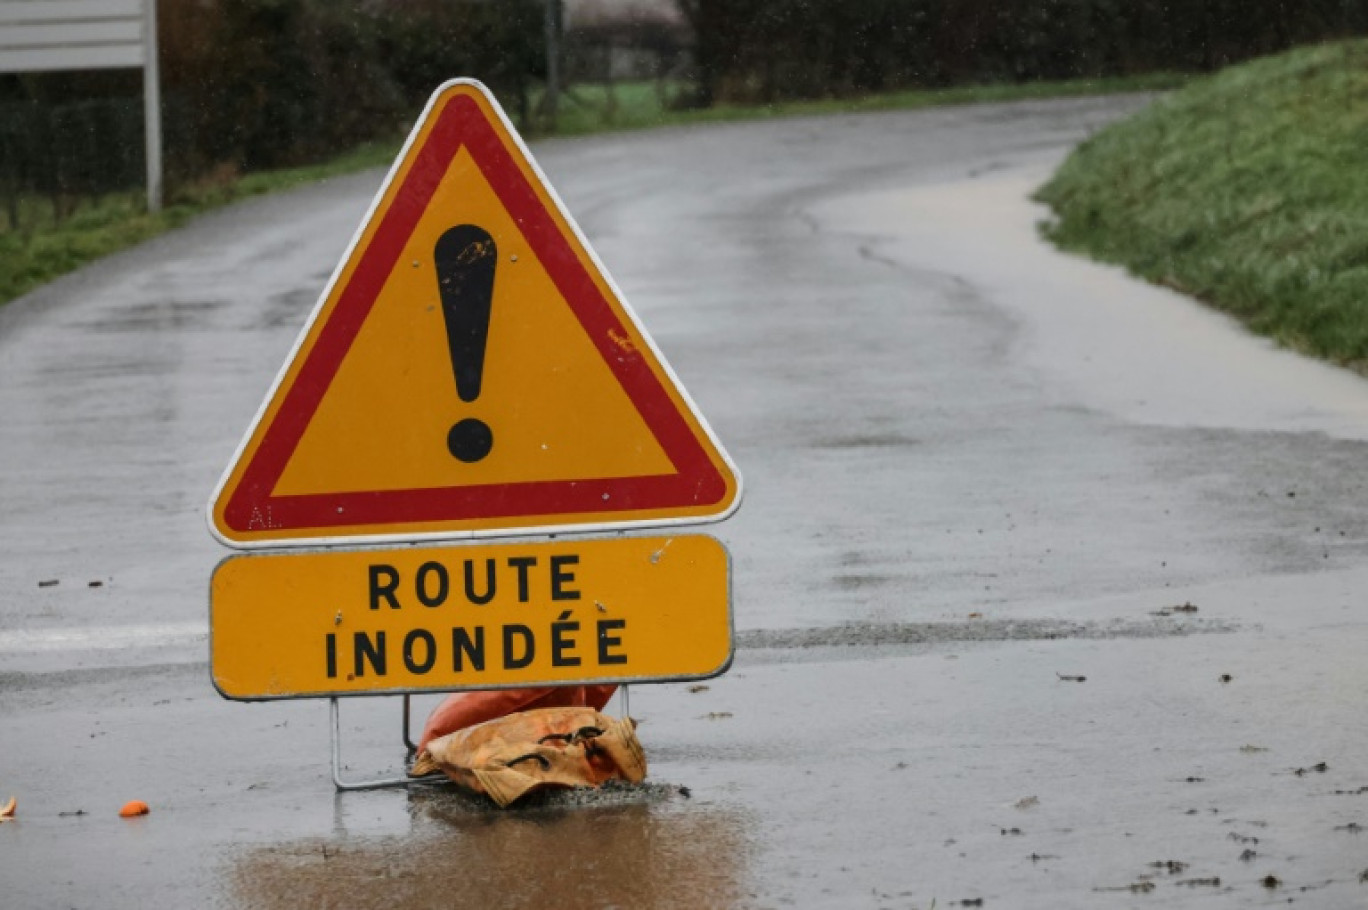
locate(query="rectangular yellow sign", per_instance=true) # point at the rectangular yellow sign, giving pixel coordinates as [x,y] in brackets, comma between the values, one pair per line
[357,622]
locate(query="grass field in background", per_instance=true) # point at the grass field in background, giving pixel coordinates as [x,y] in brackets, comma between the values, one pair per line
[1248,190]
[642,105]
[45,248]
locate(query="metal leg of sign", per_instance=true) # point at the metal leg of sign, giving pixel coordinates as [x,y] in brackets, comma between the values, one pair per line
[377,784]
[408,740]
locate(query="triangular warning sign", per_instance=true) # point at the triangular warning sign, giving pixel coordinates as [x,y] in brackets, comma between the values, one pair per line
[470,370]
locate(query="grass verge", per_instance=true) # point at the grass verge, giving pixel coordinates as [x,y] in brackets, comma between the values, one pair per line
[47,248]
[1245,190]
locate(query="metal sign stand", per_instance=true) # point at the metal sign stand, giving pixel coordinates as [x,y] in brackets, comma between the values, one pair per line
[380,783]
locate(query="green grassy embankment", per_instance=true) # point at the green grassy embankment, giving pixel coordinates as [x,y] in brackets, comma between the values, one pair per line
[1248,190]
[44,248]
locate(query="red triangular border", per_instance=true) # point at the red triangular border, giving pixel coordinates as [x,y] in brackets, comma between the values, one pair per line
[696,482]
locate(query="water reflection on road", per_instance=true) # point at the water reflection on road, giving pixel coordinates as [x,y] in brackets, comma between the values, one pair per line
[460,852]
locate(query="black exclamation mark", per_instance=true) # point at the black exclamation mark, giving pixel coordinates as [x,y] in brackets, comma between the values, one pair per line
[465,258]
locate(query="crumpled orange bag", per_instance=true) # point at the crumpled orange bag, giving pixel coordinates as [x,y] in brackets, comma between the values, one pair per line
[511,756]
[466,709]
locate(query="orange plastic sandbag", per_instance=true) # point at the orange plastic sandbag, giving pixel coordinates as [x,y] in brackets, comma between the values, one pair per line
[466,709]
[512,756]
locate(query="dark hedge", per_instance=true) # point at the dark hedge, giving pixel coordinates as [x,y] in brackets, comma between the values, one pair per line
[766,50]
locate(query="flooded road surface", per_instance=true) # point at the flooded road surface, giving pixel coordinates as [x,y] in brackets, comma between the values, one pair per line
[1049,585]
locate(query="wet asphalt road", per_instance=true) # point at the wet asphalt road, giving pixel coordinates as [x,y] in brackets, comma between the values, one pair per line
[980,476]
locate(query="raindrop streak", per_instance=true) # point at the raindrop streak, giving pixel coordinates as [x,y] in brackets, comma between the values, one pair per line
[465,257]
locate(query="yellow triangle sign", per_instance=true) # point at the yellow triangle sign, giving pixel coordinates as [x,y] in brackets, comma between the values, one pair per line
[470,370]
